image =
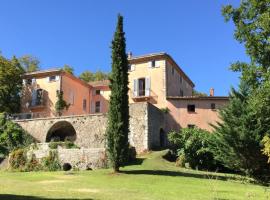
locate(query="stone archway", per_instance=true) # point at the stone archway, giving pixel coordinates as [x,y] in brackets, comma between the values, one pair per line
[61,131]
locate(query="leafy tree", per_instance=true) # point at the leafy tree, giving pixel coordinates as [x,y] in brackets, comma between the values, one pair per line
[252,22]
[60,104]
[237,140]
[29,63]
[99,76]
[191,145]
[118,116]
[68,69]
[12,136]
[266,146]
[198,94]
[87,76]
[10,85]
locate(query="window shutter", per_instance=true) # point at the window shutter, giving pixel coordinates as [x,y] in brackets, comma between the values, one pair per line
[92,107]
[34,97]
[33,80]
[57,78]
[135,87]
[150,64]
[132,67]
[147,86]
[48,79]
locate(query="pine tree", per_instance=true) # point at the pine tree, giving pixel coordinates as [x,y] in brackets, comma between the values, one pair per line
[237,140]
[118,116]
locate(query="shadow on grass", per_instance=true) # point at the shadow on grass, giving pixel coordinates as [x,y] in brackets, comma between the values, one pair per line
[180,174]
[137,161]
[22,197]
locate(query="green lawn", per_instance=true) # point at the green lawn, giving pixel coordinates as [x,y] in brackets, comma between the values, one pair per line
[153,178]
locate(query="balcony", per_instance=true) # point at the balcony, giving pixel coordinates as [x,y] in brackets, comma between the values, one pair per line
[142,95]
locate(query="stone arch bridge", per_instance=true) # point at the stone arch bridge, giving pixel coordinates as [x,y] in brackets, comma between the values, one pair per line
[88,131]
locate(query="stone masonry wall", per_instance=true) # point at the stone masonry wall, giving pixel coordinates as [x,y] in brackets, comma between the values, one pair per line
[145,123]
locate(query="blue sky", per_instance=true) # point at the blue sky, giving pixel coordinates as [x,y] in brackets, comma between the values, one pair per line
[79,33]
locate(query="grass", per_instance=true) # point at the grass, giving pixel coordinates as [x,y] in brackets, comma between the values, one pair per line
[150,178]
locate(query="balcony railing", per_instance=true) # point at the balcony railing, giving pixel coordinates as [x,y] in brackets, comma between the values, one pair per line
[22,116]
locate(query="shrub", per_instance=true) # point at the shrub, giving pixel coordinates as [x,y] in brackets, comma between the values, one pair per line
[191,146]
[66,144]
[51,162]
[18,159]
[12,136]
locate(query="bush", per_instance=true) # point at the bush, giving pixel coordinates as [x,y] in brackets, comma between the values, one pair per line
[12,136]
[66,144]
[51,163]
[192,147]
[18,159]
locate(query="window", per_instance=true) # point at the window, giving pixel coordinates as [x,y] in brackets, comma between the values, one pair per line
[29,81]
[181,93]
[153,63]
[181,79]
[191,126]
[142,87]
[84,104]
[71,97]
[131,67]
[97,107]
[191,108]
[172,70]
[213,106]
[37,97]
[52,78]
[97,92]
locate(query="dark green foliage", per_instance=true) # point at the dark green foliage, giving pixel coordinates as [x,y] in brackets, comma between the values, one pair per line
[191,145]
[118,116]
[10,85]
[237,141]
[247,116]
[12,136]
[61,104]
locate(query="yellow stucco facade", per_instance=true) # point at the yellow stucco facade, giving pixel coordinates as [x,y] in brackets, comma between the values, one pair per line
[155,78]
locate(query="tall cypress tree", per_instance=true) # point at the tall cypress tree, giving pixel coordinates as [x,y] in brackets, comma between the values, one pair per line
[118,116]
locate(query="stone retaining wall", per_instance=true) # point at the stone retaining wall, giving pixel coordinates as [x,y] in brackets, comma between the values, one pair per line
[145,123]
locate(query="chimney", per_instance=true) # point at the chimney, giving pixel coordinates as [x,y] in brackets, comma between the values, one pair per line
[212,91]
[129,54]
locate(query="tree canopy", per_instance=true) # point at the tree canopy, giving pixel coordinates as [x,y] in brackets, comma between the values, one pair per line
[10,84]
[29,63]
